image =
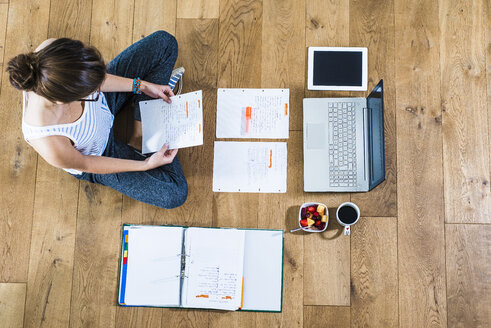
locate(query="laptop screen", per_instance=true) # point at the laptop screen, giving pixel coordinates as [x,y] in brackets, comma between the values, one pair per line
[376,150]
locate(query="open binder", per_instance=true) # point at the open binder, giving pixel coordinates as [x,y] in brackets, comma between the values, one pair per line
[207,268]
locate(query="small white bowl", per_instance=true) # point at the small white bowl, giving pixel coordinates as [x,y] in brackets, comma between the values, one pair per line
[311,229]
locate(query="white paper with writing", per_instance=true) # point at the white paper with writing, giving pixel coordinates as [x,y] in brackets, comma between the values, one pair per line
[250,167]
[154,266]
[214,268]
[179,123]
[253,113]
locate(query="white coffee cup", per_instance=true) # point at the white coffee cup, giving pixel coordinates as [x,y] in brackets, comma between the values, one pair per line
[348,216]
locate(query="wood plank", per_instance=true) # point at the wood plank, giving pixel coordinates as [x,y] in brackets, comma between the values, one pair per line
[198,9]
[374,297]
[283,61]
[52,248]
[468,249]
[327,23]
[327,265]
[70,19]
[55,207]
[4,8]
[12,298]
[239,66]
[97,248]
[18,160]
[372,26]
[488,69]
[283,67]
[198,47]
[421,248]
[159,15]
[326,316]
[465,127]
[111,26]
[97,253]
[281,212]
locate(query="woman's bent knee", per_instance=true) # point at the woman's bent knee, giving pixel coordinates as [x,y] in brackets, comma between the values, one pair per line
[165,37]
[175,198]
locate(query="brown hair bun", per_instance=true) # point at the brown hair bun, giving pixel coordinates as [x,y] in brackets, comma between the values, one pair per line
[24,71]
[66,70]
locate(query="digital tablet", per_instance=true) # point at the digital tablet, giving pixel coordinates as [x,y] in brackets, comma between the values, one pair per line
[338,68]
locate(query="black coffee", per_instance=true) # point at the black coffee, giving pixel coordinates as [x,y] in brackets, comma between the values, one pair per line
[347,214]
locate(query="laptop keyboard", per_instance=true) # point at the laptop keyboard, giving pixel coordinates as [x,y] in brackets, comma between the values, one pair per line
[342,144]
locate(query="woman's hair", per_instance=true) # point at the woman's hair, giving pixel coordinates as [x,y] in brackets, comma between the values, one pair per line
[66,70]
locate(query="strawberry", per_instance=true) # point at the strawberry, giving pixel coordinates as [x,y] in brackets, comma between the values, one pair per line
[316,214]
[303,222]
[311,209]
[317,223]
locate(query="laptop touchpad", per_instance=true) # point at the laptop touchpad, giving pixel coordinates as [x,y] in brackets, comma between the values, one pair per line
[316,136]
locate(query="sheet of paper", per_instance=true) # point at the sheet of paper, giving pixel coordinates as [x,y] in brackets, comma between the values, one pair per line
[153,266]
[249,167]
[253,113]
[179,123]
[214,268]
[263,270]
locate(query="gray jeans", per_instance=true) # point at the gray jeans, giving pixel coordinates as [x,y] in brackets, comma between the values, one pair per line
[152,59]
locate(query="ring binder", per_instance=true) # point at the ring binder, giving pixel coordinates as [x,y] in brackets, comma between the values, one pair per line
[215,280]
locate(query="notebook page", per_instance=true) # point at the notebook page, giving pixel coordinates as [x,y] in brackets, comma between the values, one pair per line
[263,270]
[249,167]
[253,113]
[153,266]
[214,265]
[180,123]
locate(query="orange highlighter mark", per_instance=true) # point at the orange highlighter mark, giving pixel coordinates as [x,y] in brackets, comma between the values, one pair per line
[286,109]
[200,128]
[270,159]
[242,297]
[187,110]
[227,298]
[248,118]
[202,296]
[199,103]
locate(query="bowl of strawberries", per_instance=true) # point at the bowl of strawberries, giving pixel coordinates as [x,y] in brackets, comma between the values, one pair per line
[313,217]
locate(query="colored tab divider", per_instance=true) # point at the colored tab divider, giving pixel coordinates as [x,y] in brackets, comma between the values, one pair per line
[125,267]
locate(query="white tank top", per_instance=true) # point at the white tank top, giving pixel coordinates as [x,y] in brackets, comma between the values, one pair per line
[89,133]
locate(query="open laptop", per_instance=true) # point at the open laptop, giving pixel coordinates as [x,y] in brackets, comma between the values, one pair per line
[343,142]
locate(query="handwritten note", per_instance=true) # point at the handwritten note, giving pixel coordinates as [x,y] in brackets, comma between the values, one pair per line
[253,113]
[249,167]
[214,269]
[180,123]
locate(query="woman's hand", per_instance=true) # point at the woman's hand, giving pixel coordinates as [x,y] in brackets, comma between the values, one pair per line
[157,91]
[162,157]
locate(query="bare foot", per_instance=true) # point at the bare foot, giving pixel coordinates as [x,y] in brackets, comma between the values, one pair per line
[136,139]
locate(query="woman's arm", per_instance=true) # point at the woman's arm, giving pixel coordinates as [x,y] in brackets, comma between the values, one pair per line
[114,83]
[59,152]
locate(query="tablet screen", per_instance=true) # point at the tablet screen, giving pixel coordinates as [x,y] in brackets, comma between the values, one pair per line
[338,68]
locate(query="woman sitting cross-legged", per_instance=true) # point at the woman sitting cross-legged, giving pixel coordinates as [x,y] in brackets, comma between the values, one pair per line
[71,98]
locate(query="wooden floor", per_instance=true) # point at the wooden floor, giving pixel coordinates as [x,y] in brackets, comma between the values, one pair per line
[420,255]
